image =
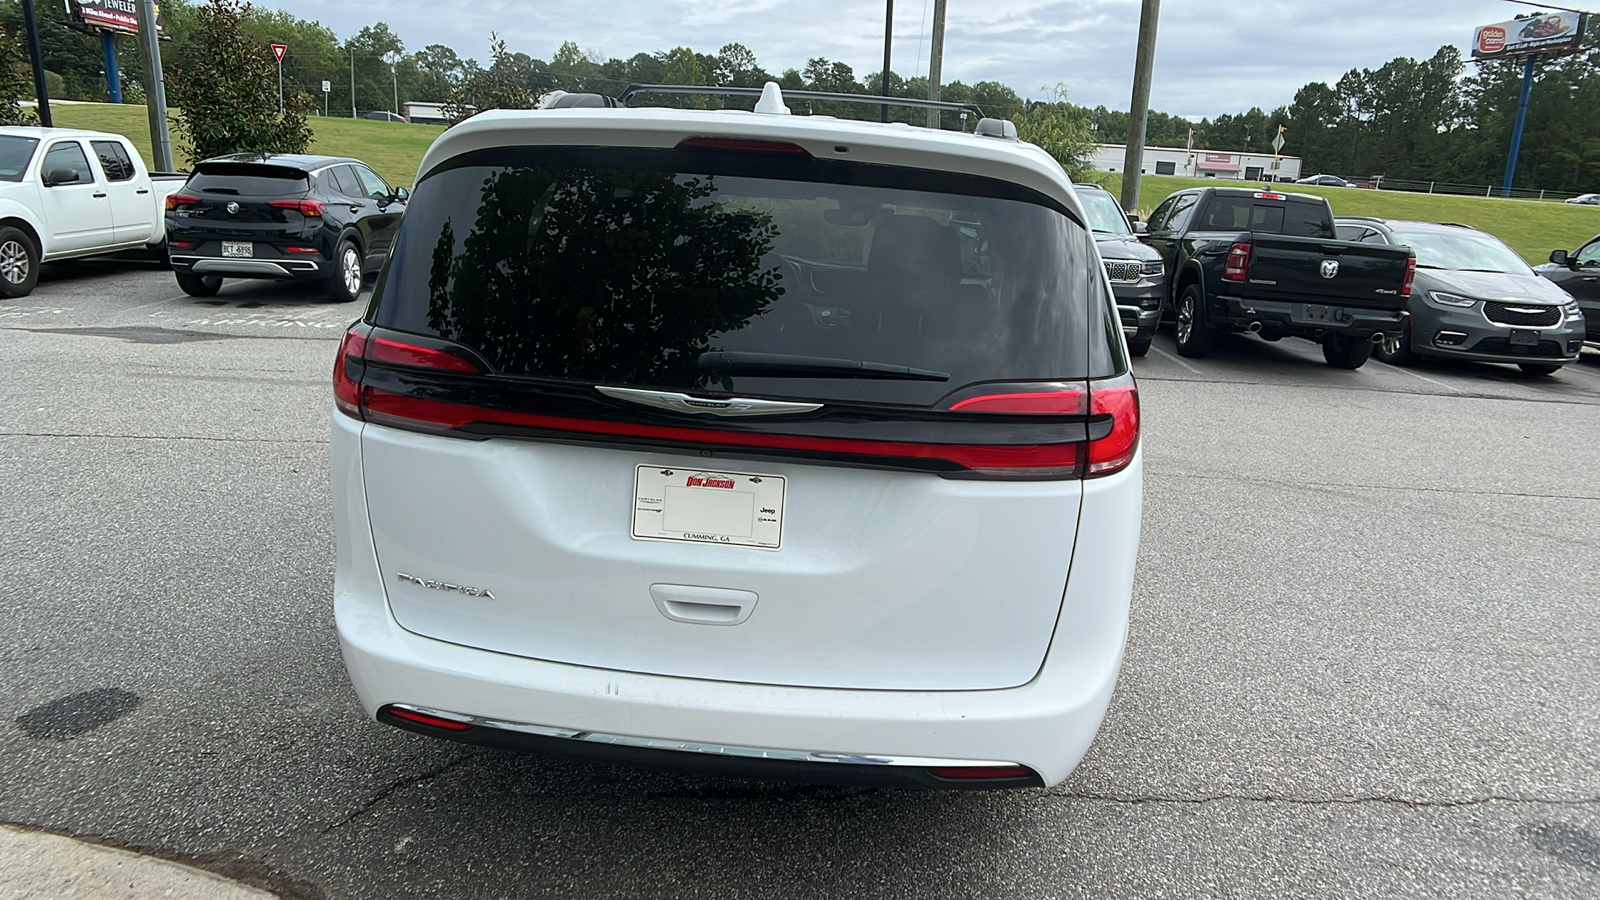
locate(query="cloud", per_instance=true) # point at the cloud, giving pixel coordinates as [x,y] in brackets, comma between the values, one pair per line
[1211,57]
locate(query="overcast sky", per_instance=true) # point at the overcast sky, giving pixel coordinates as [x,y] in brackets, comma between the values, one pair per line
[1212,56]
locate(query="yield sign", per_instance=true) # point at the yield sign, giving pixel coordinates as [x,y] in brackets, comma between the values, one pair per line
[278,50]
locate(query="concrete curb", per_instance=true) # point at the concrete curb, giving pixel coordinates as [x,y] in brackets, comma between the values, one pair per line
[43,866]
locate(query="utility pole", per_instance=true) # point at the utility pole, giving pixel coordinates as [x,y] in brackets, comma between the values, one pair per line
[888,35]
[1139,111]
[936,60]
[352,82]
[155,95]
[396,80]
[37,56]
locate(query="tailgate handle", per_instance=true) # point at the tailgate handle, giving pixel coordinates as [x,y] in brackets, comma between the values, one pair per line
[702,605]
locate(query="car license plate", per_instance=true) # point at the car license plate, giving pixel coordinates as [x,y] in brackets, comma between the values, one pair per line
[238,248]
[733,508]
[1524,338]
[1316,312]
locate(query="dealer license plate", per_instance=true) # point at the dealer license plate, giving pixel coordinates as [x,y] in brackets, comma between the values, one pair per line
[1524,338]
[238,248]
[733,508]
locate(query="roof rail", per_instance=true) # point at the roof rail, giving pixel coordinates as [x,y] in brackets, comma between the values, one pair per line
[1459,225]
[629,92]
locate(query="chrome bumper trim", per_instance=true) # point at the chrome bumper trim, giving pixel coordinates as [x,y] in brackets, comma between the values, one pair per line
[859,759]
[210,265]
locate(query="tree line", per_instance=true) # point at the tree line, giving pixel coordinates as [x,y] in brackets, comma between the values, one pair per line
[1439,119]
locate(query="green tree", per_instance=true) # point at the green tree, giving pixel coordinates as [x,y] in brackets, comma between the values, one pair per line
[228,92]
[16,82]
[503,85]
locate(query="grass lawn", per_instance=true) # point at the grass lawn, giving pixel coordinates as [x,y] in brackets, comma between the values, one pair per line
[395,149]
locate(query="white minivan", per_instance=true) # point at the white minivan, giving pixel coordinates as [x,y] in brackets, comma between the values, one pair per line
[784,447]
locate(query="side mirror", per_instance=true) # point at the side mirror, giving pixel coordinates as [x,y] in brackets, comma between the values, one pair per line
[60,176]
[1560,258]
[402,195]
[1140,227]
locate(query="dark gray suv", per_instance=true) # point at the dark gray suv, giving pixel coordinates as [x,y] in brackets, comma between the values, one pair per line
[1138,277]
[1474,298]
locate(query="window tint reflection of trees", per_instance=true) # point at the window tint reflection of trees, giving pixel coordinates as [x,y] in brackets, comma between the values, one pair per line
[600,275]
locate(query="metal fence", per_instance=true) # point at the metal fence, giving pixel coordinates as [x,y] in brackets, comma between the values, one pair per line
[1465,190]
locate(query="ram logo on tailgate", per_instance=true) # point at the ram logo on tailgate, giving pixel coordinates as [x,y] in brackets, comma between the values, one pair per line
[1330,268]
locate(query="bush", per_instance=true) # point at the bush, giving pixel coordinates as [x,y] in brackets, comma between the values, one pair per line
[16,82]
[228,90]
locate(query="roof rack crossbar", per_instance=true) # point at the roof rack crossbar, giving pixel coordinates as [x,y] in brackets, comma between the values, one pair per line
[631,90]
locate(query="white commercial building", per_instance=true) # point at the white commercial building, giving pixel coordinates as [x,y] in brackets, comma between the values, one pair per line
[1199,163]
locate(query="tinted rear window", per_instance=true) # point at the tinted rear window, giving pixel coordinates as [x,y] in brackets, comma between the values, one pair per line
[624,266]
[1268,217]
[245,180]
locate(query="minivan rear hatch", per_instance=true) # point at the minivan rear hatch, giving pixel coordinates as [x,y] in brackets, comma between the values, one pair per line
[727,411]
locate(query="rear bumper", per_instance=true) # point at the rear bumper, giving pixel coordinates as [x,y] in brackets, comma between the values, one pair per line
[1284,318]
[1046,724]
[311,269]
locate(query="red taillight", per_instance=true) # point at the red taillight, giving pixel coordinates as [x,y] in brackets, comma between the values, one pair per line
[1411,275]
[385,350]
[1118,398]
[1238,264]
[977,772]
[1039,403]
[306,206]
[352,355]
[743,145]
[176,200]
[422,718]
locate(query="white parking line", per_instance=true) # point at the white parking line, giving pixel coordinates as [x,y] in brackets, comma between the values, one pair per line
[1423,377]
[1175,359]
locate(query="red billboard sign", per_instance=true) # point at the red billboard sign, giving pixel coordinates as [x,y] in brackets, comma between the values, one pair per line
[1545,34]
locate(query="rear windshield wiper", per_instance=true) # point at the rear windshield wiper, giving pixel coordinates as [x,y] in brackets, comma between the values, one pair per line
[784,365]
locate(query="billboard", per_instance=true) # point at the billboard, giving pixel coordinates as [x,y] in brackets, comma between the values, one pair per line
[121,16]
[1547,34]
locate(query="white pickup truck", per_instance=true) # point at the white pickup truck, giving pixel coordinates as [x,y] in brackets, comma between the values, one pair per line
[66,193]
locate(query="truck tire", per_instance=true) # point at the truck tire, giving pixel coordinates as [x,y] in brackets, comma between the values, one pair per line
[1195,337]
[344,285]
[1346,351]
[1397,351]
[199,285]
[19,263]
[1539,368]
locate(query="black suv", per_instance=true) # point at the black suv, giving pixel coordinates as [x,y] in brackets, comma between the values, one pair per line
[282,216]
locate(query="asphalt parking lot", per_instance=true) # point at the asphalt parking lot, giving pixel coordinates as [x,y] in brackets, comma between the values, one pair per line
[1363,659]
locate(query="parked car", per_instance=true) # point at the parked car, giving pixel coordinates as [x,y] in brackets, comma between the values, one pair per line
[1138,278]
[711,440]
[1269,263]
[283,216]
[1474,298]
[383,115]
[1585,199]
[67,193]
[1324,181]
[1578,273]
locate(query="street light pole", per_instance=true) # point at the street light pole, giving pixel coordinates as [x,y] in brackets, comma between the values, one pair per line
[37,58]
[888,35]
[1139,110]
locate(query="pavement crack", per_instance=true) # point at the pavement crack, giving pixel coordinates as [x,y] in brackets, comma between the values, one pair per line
[395,787]
[1409,803]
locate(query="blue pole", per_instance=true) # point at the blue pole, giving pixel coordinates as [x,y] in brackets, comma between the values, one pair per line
[113,81]
[1522,117]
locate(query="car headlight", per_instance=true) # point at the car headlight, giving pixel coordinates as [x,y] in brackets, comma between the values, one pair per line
[1153,269]
[1571,309]
[1443,299]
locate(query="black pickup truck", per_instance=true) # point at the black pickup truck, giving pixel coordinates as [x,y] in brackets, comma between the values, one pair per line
[1269,263]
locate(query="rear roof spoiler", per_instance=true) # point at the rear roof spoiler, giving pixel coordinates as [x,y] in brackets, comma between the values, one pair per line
[634,90]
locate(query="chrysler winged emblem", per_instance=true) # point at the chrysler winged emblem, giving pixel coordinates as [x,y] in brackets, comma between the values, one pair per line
[1330,268]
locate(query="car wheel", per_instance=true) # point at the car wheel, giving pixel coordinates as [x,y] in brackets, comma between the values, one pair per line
[1396,351]
[1538,368]
[1139,347]
[1194,336]
[199,285]
[344,285]
[1347,352]
[19,263]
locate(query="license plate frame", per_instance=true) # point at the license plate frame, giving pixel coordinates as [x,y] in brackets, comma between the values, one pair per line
[239,249]
[1523,338]
[699,506]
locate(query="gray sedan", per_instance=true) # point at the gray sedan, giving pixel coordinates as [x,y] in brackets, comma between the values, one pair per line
[1474,298]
